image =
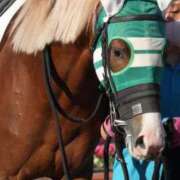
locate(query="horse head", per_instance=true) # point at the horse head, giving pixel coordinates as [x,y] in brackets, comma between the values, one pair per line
[129,71]
[128,52]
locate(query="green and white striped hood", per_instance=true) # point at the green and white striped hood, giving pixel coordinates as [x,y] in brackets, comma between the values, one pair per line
[146,40]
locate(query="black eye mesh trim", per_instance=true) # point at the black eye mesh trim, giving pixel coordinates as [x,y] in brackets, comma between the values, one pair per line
[136,91]
[140,106]
[142,17]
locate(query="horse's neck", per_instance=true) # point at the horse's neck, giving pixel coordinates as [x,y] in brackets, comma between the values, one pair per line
[74,64]
[22,81]
[26,119]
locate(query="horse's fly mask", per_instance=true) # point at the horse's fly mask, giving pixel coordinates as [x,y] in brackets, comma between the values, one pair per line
[132,90]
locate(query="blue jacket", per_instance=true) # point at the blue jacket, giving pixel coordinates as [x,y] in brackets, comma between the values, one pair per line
[170,91]
[137,170]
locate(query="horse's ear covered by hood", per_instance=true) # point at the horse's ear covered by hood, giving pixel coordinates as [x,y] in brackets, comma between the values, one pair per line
[112,7]
[163,4]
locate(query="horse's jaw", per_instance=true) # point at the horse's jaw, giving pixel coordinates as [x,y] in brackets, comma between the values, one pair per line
[148,140]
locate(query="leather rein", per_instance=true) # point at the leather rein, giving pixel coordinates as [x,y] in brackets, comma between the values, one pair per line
[51,75]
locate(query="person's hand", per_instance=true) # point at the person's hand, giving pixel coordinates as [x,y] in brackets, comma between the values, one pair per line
[173,11]
[104,134]
[106,129]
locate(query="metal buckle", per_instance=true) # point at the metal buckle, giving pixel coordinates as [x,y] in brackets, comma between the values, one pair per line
[114,120]
[112,111]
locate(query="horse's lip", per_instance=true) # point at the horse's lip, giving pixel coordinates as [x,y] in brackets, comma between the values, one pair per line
[130,146]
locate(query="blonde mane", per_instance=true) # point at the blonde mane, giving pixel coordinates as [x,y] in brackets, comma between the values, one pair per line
[41,22]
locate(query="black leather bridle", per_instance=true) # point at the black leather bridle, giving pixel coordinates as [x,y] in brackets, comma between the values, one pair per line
[108,83]
[50,74]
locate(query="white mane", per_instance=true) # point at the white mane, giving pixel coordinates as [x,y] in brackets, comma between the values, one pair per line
[41,22]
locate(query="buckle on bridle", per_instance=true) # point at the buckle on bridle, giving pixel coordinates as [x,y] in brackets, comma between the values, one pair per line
[112,111]
[119,122]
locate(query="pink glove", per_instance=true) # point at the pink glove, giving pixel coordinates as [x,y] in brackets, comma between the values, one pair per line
[106,126]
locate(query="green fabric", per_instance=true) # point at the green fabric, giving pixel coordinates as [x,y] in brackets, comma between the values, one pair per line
[135,73]
[142,76]
[135,28]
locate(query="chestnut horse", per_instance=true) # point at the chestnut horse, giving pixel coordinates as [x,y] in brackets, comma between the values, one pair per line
[29,147]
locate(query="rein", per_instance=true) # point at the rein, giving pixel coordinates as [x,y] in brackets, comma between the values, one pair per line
[51,75]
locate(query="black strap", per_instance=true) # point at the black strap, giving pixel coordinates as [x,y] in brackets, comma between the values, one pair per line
[106,158]
[118,19]
[60,82]
[156,173]
[4,5]
[142,17]
[130,93]
[57,117]
[119,142]
[96,37]
[102,31]
[52,96]
[50,74]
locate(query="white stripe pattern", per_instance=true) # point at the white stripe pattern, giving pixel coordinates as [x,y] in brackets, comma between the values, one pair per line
[141,59]
[97,55]
[145,60]
[147,43]
[100,73]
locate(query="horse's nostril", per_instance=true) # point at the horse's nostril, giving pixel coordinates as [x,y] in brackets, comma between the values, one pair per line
[152,157]
[140,142]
